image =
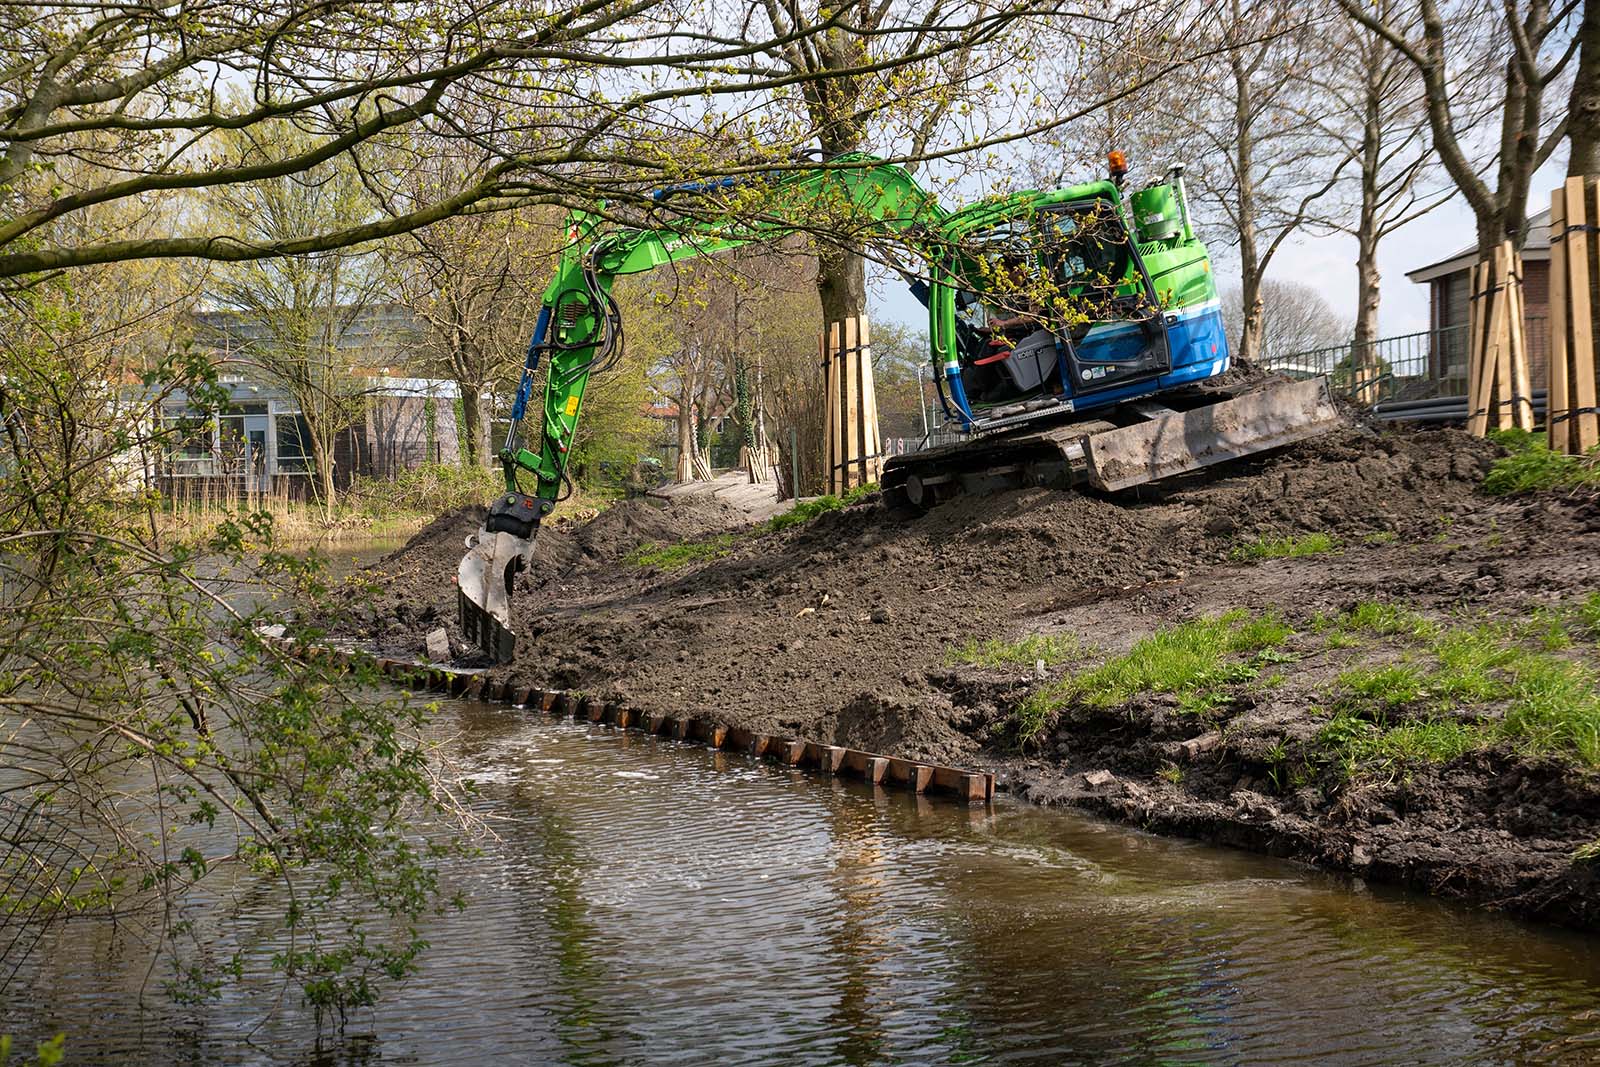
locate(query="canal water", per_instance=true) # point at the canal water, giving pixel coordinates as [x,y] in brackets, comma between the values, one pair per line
[650,902]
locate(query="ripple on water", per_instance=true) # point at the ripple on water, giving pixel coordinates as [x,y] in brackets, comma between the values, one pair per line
[646,902]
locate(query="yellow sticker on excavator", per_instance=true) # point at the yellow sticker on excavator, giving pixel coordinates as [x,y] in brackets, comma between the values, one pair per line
[572,405]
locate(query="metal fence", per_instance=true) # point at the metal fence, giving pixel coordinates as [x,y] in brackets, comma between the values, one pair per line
[1412,366]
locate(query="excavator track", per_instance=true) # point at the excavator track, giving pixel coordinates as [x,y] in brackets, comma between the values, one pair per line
[1131,444]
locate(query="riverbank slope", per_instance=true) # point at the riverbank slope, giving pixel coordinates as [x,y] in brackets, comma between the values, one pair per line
[1345,653]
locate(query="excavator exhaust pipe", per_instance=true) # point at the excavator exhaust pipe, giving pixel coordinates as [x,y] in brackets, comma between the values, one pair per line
[496,554]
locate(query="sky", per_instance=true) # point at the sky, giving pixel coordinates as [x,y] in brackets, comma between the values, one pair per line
[1328,263]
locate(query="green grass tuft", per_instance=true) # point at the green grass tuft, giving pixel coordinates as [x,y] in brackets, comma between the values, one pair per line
[807,510]
[1384,620]
[1192,661]
[1285,547]
[1037,712]
[671,557]
[1052,648]
[1530,466]
[1550,705]
[1196,661]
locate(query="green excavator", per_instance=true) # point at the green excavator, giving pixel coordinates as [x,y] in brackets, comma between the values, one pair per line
[1075,337]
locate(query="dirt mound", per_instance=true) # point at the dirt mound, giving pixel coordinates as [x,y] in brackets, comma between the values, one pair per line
[842,629]
[411,590]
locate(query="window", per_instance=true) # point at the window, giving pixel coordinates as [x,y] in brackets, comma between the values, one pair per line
[294,444]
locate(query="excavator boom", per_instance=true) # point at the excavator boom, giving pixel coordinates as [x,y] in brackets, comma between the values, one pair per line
[1074,334]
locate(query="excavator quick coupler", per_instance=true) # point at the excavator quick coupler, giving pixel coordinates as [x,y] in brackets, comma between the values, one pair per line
[496,554]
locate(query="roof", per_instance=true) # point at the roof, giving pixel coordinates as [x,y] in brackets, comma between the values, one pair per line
[1536,247]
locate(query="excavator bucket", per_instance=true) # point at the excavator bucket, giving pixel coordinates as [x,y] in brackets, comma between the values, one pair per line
[1174,442]
[496,554]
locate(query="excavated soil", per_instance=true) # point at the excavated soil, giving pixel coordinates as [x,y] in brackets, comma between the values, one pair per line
[840,630]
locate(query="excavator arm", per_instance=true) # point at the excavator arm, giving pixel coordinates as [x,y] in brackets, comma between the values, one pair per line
[579,333]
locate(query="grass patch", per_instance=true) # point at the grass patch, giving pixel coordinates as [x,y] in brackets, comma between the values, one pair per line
[807,510]
[1197,661]
[1384,620]
[671,557]
[1191,660]
[1550,705]
[1310,544]
[1530,466]
[1588,614]
[1361,743]
[1051,648]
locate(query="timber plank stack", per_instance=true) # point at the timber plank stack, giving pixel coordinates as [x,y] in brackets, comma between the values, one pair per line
[854,453]
[1574,420]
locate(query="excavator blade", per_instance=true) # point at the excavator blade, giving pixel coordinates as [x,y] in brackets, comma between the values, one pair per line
[1174,442]
[496,554]
[1137,442]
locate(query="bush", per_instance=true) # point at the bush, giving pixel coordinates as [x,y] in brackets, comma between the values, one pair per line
[1530,466]
[431,489]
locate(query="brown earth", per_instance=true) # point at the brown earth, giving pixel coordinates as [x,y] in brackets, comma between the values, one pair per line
[840,630]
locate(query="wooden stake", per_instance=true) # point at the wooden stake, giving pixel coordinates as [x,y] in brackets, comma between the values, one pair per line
[854,442]
[1581,363]
[1521,396]
[1558,422]
[1480,379]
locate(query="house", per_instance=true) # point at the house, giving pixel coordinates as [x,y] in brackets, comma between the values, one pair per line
[259,443]
[1449,291]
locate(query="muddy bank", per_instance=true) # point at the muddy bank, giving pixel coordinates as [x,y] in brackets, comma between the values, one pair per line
[844,630]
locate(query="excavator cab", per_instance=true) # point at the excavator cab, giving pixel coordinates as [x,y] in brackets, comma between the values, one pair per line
[1053,304]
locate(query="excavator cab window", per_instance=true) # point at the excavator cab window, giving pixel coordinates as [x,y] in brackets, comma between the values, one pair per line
[1086,251]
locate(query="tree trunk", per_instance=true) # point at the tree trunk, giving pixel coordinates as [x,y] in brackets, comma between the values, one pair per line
[1583,115]
[842,285]
[1250,325]
[322,460]
[1364,354]
[683,471]
[474,427]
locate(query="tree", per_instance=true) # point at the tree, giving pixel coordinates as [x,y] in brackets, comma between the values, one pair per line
[581,97]
[1369,101]
[899,368]
[1583,110]
[476,283]
[1256,164]
[1521,43]
[295,314]
[161,755]
[863,66]
[1295,318]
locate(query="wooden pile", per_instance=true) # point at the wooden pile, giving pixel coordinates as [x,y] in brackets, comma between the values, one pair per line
[854,453]
[1574,420]
[1498,387]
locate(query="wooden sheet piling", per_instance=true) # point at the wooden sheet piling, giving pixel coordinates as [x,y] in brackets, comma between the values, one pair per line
[972,787]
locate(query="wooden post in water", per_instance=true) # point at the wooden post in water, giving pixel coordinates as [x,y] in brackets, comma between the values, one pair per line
[854,452]
[1498,383]
[1573,420]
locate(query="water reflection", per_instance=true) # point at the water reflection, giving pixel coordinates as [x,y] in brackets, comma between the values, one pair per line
[648,902]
